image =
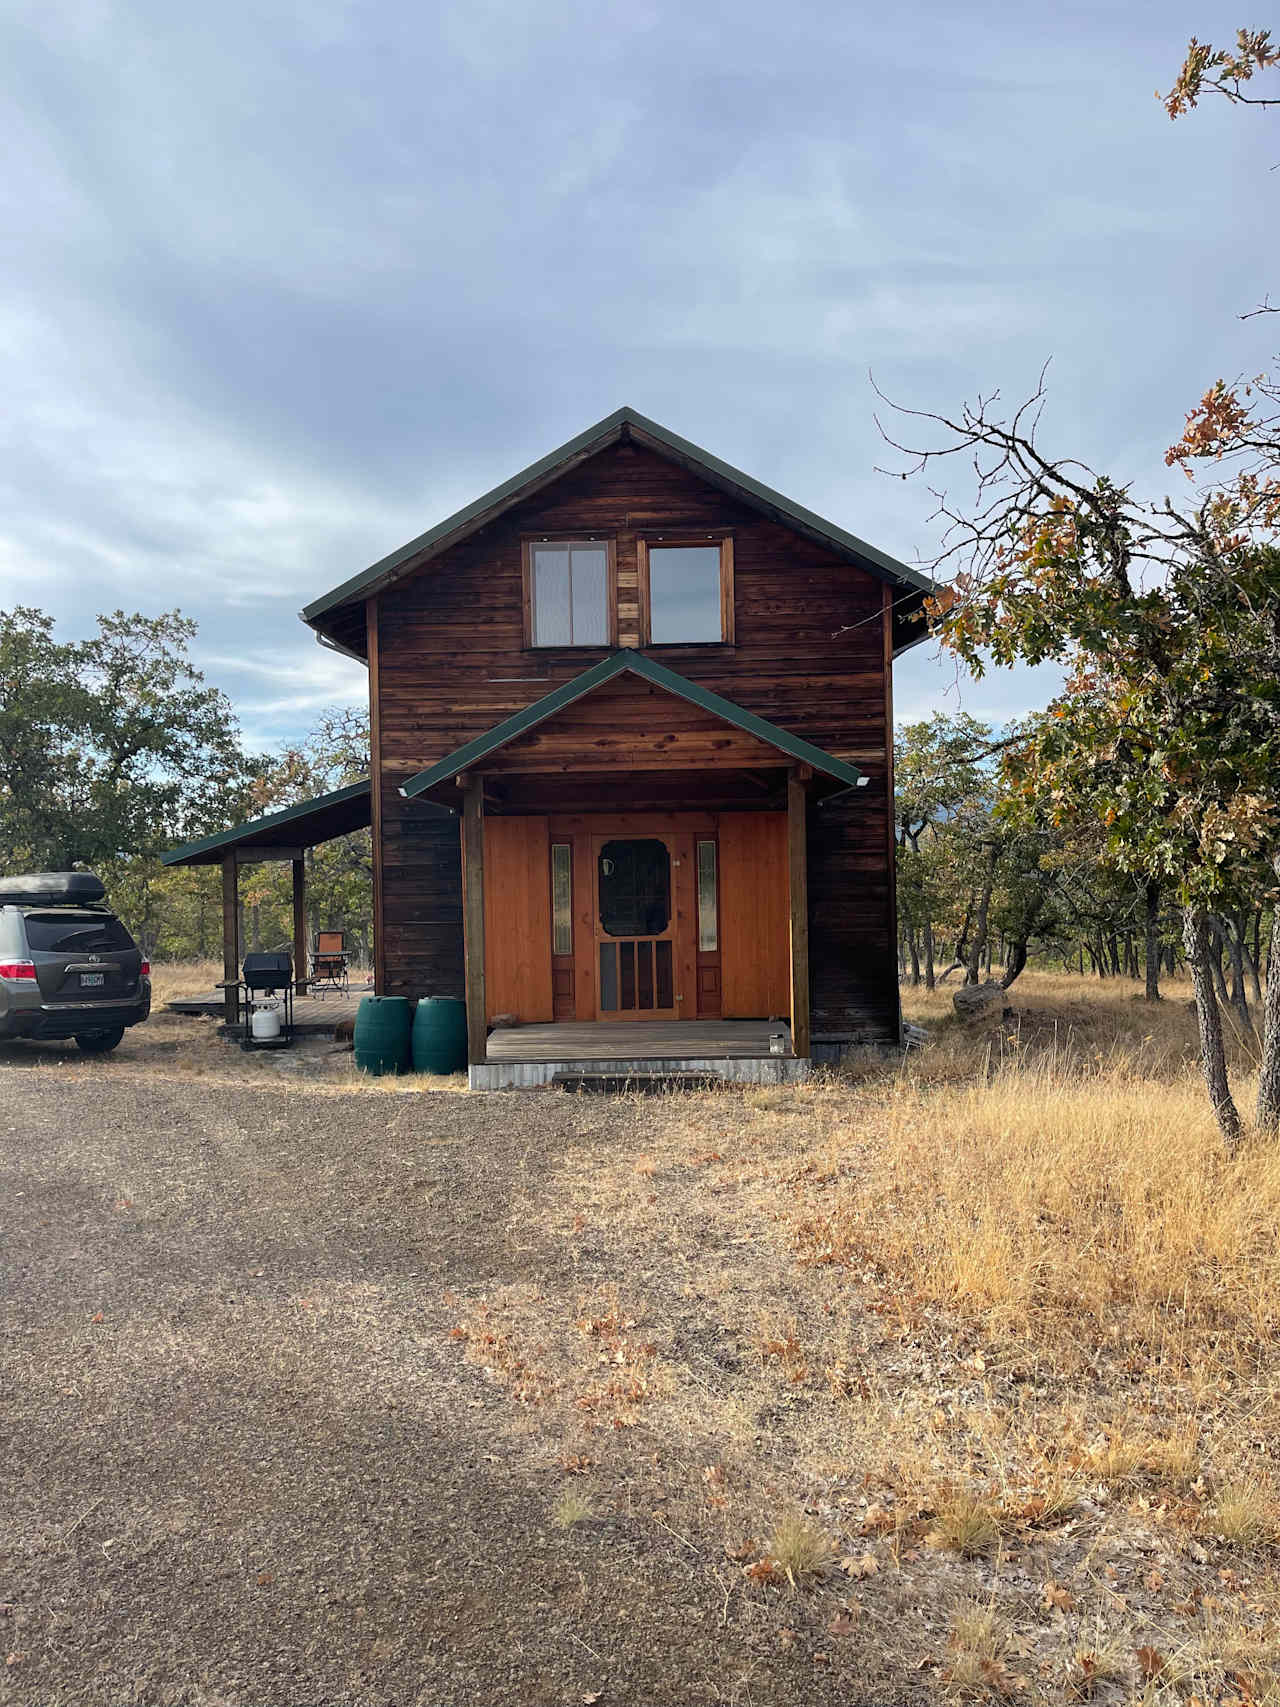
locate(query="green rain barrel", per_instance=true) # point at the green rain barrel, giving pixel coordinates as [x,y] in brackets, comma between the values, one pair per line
[440,1035]
[382,1035]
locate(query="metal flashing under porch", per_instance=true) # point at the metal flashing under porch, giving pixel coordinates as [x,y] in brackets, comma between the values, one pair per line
[524,1057]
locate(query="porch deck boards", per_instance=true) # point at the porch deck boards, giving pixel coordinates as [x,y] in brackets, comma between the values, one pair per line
[312,1015]
[633,1040]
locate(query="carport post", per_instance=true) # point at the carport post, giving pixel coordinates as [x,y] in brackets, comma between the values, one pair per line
[300,927]
[230,939]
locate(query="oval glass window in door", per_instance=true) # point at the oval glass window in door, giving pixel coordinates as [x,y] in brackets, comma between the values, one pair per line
[634,880]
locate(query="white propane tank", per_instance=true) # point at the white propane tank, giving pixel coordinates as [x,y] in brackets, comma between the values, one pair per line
[264,1022]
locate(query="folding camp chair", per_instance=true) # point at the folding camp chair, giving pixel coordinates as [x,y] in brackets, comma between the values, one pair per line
[329,963]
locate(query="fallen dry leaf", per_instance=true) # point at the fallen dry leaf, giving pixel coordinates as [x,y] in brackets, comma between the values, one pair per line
[865,1565]
[1056,1595]
[842,1624]
[1150,1661]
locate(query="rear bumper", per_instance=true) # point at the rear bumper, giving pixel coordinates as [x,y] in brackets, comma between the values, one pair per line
[65,1019]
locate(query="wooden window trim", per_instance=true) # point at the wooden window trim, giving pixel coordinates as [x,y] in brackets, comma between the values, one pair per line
[527,543]
[728,633]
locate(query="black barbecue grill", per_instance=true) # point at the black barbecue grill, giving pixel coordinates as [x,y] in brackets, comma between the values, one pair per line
[268,974]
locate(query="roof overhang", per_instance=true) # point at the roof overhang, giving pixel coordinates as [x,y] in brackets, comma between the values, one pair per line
[836,774]
[302,826]
[338,617]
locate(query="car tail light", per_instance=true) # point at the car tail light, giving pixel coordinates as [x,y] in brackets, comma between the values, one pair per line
[17,968]
[144,971]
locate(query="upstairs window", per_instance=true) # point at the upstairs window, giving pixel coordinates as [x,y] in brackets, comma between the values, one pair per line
[568,592]
[687,591]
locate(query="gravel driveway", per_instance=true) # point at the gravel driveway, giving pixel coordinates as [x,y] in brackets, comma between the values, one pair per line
[246,1463]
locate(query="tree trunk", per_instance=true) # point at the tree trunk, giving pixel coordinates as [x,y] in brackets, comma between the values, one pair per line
[255,928]
[1213,949]
[913,947]
[1235,953]
[1017,959]
[1213,1060]
[1225,939]
[978,946]
[1153,939]
[962,941]
[1269,1075]
[929,978]
[1255,956]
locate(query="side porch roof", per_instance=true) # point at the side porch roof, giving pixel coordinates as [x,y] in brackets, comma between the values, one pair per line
[473,753]
[303,825]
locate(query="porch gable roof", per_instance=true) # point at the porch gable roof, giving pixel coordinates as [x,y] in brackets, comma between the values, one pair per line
[474,752]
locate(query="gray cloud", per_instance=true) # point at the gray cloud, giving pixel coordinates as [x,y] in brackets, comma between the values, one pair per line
[283,286]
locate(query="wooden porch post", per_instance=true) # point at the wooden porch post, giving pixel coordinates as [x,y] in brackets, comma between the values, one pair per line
[798,870]
[230,938]
[300,926]
[473,916]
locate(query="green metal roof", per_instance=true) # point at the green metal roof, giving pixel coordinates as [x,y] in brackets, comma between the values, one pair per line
[623,423]
[637,664]
[310,821]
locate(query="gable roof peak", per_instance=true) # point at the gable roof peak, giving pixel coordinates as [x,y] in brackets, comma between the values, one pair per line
[325,614]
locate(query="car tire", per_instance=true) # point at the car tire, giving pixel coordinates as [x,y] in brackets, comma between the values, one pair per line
[99,1042]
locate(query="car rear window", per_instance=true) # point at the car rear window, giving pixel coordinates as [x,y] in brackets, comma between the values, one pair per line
[55,933]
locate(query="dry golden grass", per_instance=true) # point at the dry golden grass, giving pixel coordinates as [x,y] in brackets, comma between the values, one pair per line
[801,1550]
[1066,1196]
[966,1521]
[977,1655]
[998,1325]
[569,1509]
[1245,1514]
[179,980]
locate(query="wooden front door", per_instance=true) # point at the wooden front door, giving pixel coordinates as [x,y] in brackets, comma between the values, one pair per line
[636,916]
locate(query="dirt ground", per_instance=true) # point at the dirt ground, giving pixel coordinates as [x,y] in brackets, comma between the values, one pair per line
[247,1462]
[950,1382]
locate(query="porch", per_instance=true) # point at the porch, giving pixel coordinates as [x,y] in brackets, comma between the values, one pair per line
[313,1016]
[520,1057]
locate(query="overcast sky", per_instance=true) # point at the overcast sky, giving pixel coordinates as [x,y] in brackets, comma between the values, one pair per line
[284,285]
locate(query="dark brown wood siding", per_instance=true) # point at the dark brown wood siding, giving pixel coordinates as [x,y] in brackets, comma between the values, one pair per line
[809,656]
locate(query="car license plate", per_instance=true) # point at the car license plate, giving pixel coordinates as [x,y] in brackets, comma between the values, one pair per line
[92,980]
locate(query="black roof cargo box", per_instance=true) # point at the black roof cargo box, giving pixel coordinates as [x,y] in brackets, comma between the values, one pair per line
[52,889]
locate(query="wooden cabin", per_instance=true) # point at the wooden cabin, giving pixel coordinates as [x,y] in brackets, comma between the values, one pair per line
[631,719]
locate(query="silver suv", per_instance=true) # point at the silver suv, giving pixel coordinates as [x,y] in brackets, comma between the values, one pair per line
[68,967]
